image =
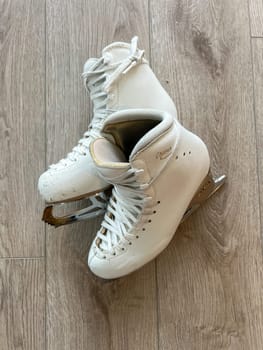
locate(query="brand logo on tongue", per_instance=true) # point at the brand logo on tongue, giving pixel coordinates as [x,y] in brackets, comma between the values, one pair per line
[164,154]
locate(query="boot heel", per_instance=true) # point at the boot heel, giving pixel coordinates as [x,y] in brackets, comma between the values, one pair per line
[207,188]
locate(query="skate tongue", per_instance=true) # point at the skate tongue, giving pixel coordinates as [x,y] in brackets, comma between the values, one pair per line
[118,51]
[147,137]
[109,158]
[91,62]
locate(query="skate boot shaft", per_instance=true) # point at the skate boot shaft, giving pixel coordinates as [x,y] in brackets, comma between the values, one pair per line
[129,80]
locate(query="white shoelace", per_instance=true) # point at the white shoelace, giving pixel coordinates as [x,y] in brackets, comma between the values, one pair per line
[123,211]
[97,78]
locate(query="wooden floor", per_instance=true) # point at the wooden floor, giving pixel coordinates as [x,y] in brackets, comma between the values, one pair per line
[205,292]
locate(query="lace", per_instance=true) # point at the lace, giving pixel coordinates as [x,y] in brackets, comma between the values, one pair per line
[123,211]
[98,77]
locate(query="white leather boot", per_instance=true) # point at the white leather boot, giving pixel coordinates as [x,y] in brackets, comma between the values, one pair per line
[160,172]
[120,79]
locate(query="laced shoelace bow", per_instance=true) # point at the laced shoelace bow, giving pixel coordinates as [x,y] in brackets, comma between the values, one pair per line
[98,78]
[123,211]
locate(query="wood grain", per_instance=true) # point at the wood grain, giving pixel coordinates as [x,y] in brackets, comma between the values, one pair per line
[256,17]
[257,52]
[210,277]
[22,304]
[22,138]
[208,290]
[83,312]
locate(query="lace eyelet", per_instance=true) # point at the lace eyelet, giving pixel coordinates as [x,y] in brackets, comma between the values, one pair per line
[130,243]
[137,236]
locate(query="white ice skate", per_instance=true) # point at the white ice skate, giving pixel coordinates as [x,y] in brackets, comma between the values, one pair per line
[120,79]
[160,174]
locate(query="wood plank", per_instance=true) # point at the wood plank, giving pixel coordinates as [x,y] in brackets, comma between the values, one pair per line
[82,311]
[22,304]
[257,51]
[256,17]
[210,277]
[22,138]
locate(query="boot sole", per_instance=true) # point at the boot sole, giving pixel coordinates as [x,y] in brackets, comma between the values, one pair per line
[99,202]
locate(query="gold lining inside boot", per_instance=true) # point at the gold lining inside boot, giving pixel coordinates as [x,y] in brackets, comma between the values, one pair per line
[129,132]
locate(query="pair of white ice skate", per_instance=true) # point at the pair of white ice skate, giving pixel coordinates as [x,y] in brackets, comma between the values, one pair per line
[158,170]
